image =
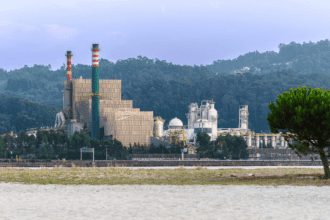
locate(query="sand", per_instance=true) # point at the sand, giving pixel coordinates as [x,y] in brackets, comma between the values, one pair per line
[20,201]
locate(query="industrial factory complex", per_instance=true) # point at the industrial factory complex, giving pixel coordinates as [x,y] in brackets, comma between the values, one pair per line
[95,107]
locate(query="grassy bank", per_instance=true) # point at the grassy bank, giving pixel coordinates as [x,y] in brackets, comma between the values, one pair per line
[180,176]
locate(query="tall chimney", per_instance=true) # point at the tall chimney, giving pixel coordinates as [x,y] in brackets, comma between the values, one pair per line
[95,93]
[68,66]
[68,88]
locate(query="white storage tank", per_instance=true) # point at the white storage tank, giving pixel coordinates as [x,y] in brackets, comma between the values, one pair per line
[212,113]
[204,126]
[175,123]
[243,117]
[159,126]
[204,111]
[213,117]
[192,115]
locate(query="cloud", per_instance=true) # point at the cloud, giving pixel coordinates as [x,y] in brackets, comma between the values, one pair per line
[60,32]
[7,28]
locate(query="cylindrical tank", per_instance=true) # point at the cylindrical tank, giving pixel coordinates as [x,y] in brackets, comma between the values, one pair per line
[249,141]
[273,142]
[204,126]
[257,141]
[282,141]
[193,113]
[159,126]
[204,113]
[212,113]
[213,117]
[265,141]
[243,117]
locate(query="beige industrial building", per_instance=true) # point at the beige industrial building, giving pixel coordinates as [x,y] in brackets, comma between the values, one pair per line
[118,117]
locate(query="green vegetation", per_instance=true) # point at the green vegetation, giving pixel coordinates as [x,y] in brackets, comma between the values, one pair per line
[168,89]
[304,116]
[303,58]
[53,145]
[17,114]
[225,147]
[181,176]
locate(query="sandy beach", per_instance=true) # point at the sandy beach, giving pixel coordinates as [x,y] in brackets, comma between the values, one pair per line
[23,201]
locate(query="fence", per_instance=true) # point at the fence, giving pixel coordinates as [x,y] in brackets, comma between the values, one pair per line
[279,154]
[164,156]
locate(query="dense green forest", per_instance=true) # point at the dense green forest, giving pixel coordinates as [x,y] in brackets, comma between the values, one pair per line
[17,114]
[302,58]
[168,89]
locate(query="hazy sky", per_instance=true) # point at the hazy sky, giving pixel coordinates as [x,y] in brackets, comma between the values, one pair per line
[185,32]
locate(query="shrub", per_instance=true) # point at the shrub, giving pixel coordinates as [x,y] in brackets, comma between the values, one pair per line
[49,160]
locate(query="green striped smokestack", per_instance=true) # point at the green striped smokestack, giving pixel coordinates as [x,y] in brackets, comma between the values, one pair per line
[95,93]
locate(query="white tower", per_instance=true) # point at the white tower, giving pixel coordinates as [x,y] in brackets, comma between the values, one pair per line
[243,117]
[159,126]
[213,118]
[192,115]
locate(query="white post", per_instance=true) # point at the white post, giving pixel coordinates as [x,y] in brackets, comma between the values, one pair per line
[273,142]
[106,153]
[80,154]
[93,155]
[257,141]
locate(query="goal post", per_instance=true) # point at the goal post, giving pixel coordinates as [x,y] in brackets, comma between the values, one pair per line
[86,150]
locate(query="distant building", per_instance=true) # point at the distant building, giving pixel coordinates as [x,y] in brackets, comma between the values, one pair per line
[118,118]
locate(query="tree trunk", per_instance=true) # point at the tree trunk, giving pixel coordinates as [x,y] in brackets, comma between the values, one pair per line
[325,163]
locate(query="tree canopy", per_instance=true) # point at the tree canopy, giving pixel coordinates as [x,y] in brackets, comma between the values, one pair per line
[225,147]
[304,118]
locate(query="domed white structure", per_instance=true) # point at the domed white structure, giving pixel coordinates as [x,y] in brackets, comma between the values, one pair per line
[175,123]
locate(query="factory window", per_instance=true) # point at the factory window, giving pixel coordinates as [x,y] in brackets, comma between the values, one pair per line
[205,130]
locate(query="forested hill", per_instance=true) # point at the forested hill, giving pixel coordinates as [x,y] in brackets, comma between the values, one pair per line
[302,58]
[17,114]
[42,85]
[168,89]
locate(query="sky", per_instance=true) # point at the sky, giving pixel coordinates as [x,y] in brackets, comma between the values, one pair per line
[184,32]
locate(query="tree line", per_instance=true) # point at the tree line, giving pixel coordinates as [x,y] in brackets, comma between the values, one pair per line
[224,147]
[56,145]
